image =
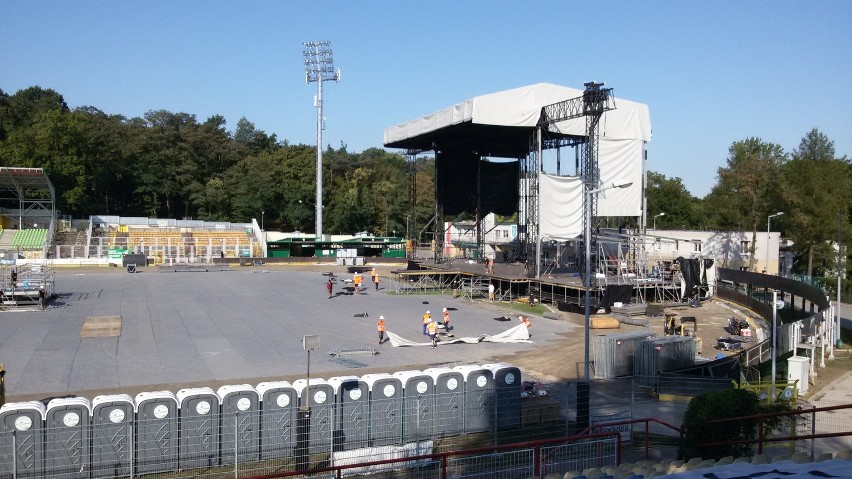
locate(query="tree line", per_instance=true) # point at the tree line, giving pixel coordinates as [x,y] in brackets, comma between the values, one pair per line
[171,165]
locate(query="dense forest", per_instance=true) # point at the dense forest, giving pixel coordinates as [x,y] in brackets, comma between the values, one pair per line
[170,165]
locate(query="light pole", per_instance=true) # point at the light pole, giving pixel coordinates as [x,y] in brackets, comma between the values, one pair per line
[319,67]
[767,237]
[588,240]
[261,220]
[655,220]
[776,305]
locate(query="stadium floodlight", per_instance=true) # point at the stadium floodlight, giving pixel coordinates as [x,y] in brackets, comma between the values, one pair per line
[319,67]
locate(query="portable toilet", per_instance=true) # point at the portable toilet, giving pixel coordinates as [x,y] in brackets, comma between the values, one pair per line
[199,427]
[352,415]
[418,404]
[279,409]
[320,397]
[385,408]
[156,448]
[112,427]
[478,398]
[66,436]
[449,399]
[25,422]
[240,423]
[507,394]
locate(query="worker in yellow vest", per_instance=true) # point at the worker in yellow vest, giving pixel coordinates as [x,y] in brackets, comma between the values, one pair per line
[432,328]
[427,318]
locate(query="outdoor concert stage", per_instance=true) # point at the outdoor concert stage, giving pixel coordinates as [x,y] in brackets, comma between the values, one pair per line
[562,287]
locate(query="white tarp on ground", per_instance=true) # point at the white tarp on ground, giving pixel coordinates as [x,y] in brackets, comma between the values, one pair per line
[521,107]
[518,334]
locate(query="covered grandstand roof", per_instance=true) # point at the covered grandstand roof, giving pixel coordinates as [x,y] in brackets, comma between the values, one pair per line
[499,124]
[27,190]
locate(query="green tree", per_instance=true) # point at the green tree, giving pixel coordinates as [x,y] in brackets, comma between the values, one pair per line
[747,189]
[670,196]
[815,186]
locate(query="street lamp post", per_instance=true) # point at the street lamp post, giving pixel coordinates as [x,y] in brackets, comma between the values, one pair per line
[588,240]
[655,219]
[767,238]
[776,305]
[261,220]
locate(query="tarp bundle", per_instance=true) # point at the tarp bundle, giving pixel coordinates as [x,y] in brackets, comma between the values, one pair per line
[518,334]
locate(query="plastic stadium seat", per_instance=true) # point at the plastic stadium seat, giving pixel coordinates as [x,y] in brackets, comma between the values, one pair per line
[725,461]
[847,454]
[780,458]
[801,458]
[571,475]
[742,459]
[827,456]
[761,459]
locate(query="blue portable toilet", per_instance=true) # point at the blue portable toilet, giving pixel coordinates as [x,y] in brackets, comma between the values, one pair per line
[25,422]
[507,394]
[320,397]
[156,448]
[240,423]
[352,413]
[385,408]
[418,405]
[478,398]
[279,409]
[449,399]
[112,427]
[67,433]
[199,427]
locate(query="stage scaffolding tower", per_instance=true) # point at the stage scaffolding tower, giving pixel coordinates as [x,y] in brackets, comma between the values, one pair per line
[591,105]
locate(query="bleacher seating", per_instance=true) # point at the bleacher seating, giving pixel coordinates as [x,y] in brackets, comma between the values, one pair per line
[647,469]
[30,239]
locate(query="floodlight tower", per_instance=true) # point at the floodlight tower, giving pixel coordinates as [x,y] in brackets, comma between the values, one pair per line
[319,67]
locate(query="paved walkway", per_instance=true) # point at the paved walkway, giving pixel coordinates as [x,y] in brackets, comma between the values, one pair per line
[229,327]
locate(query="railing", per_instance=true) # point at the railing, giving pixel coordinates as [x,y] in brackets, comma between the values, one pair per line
[826,429]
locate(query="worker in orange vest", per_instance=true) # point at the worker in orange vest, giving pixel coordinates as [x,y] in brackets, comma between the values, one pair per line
[432,327]
[380,325]
[376,279]
[427,318]
[446,319]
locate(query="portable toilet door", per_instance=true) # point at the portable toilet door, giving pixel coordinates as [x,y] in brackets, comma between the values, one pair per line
[22,439]
[449,399]
[478,398]
[112,428]
[279,409]
[320,397]
[418,405]
[198,427]
[156,447]
[240,423]
[352,414]
[385,409]
[507,394]
[67,431]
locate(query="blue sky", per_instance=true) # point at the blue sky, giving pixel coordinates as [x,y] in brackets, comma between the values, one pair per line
[711,72]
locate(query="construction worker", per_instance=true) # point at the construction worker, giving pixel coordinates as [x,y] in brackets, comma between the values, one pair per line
[376,279]
[526,322]
[356,280]
[380,325]
[432,328]
[330,287]
[446,319]
[427,318]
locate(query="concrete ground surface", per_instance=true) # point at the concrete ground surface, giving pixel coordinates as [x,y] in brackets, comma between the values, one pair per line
[245,325]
